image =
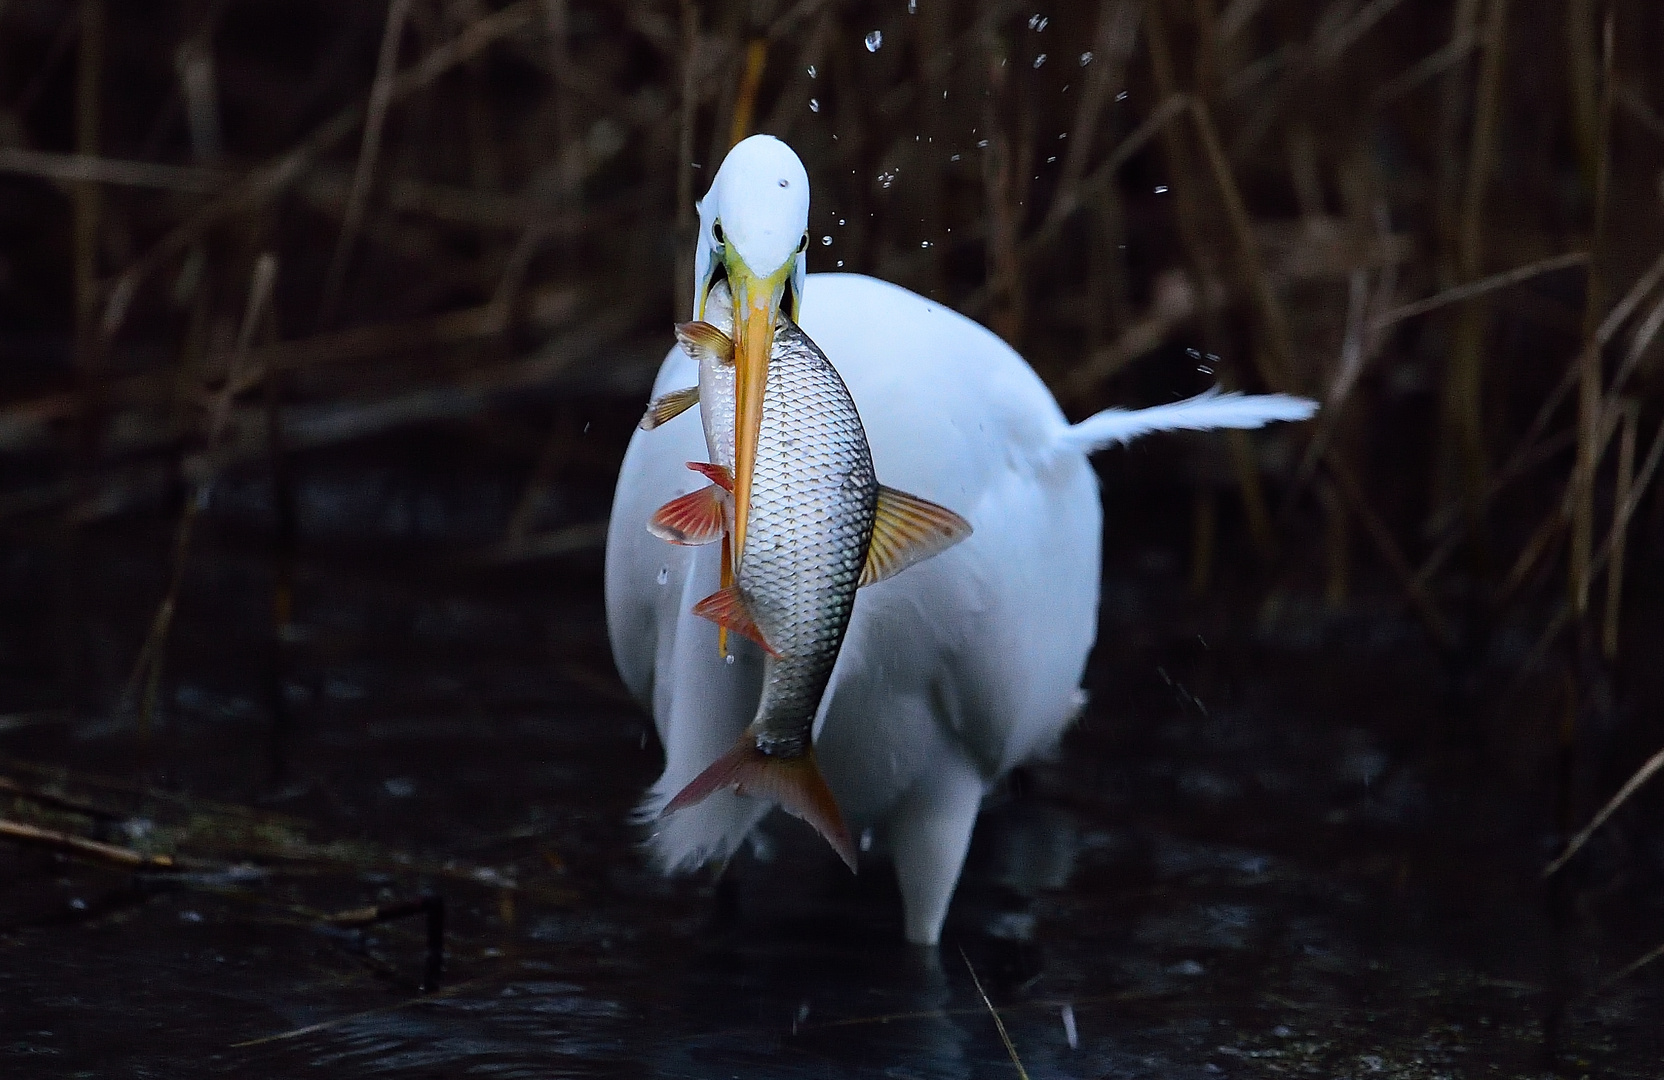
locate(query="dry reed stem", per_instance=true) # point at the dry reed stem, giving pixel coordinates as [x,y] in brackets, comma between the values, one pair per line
[685,238]
[1464,448]
[81,168]
[1275,358]
[1631,786]
[1631,968]
[1426,69]
[369,151]
[1621,518]
[1112,46]
[751,80]
[1620,530]
[1590,419]
[1460,293]
[1353,496]
[280,174]
[147,668]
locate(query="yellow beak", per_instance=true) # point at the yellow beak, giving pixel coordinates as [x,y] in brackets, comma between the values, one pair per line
[756,307]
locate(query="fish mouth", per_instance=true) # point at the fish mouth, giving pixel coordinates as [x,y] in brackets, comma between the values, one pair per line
[757,306]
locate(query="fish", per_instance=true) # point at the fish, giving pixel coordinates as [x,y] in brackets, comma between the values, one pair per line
[819,526]
[706,515]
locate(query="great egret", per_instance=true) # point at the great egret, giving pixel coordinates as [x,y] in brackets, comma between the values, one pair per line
[952,672]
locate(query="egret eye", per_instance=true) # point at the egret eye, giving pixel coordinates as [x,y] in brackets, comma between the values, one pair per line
[716,232]
[803,244]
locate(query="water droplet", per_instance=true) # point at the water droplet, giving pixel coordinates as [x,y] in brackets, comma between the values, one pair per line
[981,144]
[729,659]
[1037,23]
[814,105]
[886,178]
[1041,59]
[954,158]
[840,262]
[1194,354]
[826,241]
[1204,369]
[664,575]
[912,7]
[1122,96]
[1086,58]
[840,221]
[812,69]
[924,243]
[874,40]
[1161,189]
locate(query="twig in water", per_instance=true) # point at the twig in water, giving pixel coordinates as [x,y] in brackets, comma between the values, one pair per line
[998,1023]
[432,906]
[81,847]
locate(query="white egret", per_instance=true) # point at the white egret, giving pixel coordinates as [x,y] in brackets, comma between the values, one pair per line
[952,672]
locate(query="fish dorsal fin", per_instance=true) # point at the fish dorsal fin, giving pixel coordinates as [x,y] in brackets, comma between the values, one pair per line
[908,530]
[701,339]
[693,519]
[728,609]
[668,407]
[716,474]
[795,784]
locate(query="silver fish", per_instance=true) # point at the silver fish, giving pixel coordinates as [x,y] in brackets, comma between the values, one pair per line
[813,508]
[819,526]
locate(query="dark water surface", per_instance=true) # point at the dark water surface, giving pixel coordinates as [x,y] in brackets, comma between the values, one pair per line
[1251,858]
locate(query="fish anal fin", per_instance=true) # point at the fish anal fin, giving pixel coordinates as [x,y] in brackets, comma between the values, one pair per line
[795,784]
[692,519]
[716,474]
[701,339]
[728,609]
[908,530]
[668,407]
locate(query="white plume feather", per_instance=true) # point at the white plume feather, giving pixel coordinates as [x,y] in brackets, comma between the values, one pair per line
[1206,411]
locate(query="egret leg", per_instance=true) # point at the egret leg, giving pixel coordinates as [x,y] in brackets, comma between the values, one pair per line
[930,832]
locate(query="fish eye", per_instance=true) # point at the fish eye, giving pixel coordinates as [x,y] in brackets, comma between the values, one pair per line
[716,232]
[803,244]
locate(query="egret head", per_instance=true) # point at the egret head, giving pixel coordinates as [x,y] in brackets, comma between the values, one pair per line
[753,230]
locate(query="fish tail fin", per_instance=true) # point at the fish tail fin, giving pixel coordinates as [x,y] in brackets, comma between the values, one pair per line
[794,784]
[1206,411]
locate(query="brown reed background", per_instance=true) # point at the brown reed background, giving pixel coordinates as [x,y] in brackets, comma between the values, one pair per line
[235,230]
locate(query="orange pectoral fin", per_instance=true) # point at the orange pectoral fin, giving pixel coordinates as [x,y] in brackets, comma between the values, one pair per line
[716,474]
[698,517]
[794,784]
[727,608]
[700,339]
[908,530]
[668,407]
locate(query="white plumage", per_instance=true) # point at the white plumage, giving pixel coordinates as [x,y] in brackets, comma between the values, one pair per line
[954,671]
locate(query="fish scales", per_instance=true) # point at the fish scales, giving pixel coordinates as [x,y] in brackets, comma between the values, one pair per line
[814,500]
